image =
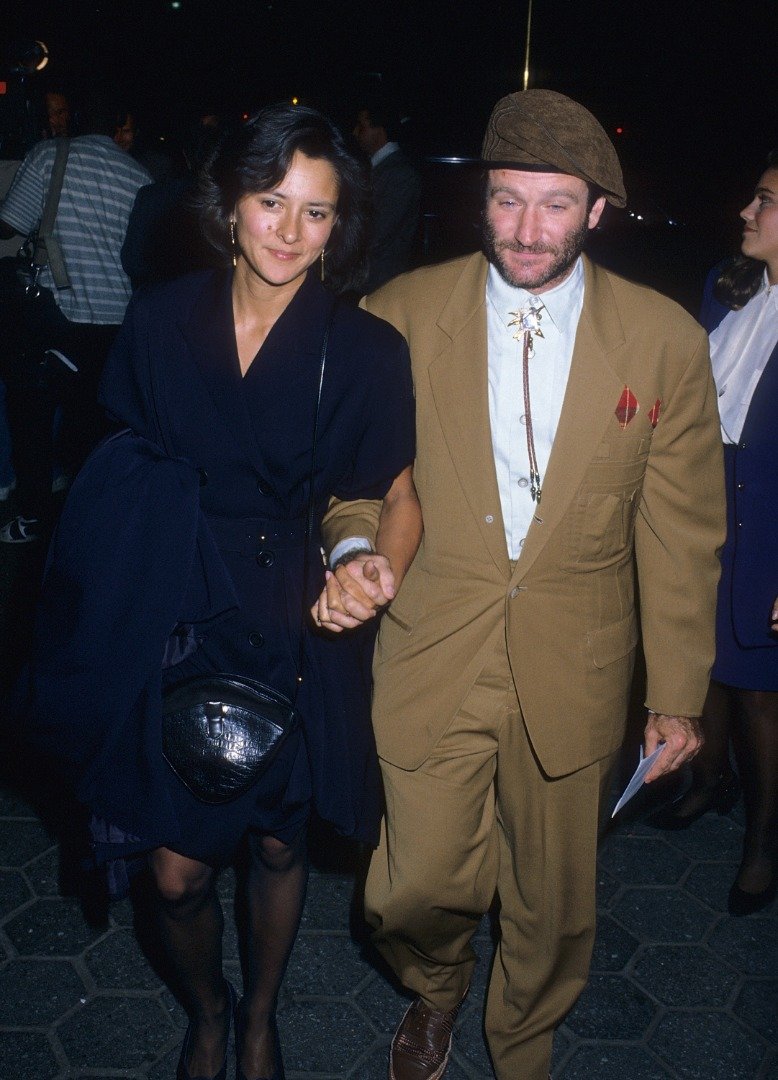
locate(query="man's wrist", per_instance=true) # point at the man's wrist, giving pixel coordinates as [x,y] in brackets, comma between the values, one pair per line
[345,550]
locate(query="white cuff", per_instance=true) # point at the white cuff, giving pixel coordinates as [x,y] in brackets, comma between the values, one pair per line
[351,543]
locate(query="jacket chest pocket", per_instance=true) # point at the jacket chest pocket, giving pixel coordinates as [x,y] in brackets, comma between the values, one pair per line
[600,523]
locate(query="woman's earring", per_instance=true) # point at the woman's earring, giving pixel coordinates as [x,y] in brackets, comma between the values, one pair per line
[232,242]
[322,264]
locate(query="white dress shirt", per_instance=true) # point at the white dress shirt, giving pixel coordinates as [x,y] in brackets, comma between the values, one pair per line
[740,347]
[549,368]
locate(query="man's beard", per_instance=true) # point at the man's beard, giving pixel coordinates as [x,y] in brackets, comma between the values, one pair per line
[563,257]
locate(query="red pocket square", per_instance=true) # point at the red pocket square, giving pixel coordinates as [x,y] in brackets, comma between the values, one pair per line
[626,408]
[655,413]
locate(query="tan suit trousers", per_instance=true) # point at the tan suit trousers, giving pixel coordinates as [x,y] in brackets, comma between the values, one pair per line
[478,816]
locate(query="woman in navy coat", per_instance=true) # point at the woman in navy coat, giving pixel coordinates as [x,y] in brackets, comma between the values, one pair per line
[216,376]
[742,703]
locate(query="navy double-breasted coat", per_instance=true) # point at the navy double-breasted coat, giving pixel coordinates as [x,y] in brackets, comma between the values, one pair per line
[242,445]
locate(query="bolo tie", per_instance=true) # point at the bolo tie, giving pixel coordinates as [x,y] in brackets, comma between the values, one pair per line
[527,322]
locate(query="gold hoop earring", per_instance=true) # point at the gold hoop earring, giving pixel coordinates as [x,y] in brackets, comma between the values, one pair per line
[233,243]
[322,264]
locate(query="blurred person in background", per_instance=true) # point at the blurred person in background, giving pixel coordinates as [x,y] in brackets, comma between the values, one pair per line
[741,312]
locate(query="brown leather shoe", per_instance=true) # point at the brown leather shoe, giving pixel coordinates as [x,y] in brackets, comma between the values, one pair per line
[422,1043]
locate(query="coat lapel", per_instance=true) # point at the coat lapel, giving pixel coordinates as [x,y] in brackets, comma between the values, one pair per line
[593,390]
[458,378]
[210,335]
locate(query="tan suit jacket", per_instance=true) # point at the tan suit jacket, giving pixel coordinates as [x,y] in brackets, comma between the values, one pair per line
[619,503]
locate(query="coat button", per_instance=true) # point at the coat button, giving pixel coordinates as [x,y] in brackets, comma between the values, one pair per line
[514,592]
[740,486]
[256,639]
[266,558]
[263,487]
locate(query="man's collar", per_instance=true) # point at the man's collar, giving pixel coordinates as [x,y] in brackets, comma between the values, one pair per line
[560,302]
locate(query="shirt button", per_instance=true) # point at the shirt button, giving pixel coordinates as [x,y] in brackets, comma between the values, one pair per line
[266,558]
[263,487]
[523,419]
[521,542]
[523,482]
[256,639]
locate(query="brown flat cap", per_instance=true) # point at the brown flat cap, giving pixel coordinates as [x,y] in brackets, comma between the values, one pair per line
[543,131]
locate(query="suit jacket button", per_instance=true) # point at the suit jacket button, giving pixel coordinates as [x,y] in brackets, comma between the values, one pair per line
[266,558]
[256,639]
[263,487]
[514,592]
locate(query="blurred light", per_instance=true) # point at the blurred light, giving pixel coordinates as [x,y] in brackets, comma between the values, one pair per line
[175,4]
[619,130]
[3,87]
[295,101]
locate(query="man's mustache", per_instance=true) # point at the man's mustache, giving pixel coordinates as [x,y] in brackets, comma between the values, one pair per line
[526,249]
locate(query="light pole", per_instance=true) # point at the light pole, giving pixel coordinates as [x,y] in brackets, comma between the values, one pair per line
[526,51]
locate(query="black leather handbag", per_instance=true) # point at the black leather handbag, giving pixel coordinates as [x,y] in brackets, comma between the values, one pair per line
[221,732]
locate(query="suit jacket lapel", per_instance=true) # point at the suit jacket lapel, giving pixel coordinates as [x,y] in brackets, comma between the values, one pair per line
[593,390]
[458,378]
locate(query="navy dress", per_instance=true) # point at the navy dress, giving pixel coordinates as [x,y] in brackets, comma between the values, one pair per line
[746,647]
[174,379]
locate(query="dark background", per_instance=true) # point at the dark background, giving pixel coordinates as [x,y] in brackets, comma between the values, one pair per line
[687,81]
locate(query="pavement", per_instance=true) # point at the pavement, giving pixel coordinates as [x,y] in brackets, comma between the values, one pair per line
[678,989]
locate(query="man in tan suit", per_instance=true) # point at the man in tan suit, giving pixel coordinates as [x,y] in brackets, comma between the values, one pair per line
[568,451]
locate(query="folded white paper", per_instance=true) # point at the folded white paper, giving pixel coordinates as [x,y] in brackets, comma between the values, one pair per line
[644,765]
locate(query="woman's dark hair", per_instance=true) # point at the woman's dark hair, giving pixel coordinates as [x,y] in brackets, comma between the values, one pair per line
[258,155]
[741,276]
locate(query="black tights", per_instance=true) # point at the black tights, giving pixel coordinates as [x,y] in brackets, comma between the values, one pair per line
[750,718]
[191,925]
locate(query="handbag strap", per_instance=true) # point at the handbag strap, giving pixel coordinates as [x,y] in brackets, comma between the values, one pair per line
[311,497]
[47,250]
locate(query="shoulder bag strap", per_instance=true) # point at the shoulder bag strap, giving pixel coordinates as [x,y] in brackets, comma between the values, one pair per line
[311,498]
[47,249]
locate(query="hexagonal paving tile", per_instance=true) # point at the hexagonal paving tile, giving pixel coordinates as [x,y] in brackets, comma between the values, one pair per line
[750,945]
[328,902]
[115,1032]
[21,841]
[730,1052]
[116,962]
[382,1004]
[14,891]
[710,885]
[27,1055]
[43,873]
[20,991]
[469,1040]
[612,1063]
[561,1046]
[607,887]
[613,945]
[685,975]
[51,927]
[608,1004]
[662,915]
[642,860]
[757,1006]
[711,839]
[325,964]
[323,1036]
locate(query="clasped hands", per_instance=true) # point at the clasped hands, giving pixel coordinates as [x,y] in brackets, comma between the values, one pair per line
[355,592]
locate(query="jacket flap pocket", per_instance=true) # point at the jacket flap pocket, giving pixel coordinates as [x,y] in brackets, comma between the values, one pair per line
[614,641]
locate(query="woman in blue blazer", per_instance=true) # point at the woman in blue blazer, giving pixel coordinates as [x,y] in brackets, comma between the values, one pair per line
[187,536]
[741,311]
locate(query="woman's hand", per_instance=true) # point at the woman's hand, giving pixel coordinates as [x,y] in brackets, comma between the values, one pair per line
[354,593]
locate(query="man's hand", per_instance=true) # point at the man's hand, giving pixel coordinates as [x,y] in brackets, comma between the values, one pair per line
[682,736]
[354,592]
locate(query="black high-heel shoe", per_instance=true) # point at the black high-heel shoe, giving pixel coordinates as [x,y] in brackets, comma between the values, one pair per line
[278,1067]
[720,797]
[741,902]
[182,1073]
